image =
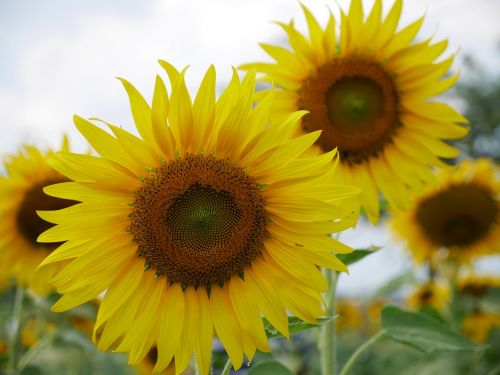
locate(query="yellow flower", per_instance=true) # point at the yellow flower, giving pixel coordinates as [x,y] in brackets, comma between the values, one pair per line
[459,218]
[29,334]
[432,293]
[208,221]
[477,285]
[479,324]
[370,92]
[350,317]
[21,190]
[373,311]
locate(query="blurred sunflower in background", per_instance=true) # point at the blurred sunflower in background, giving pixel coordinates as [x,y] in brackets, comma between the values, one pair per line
[432,293]
[350,315]
[479,323]
[373,311]
[477,285]
[371,91]
[27,173]
[207,222]
[458,219]
[478,292]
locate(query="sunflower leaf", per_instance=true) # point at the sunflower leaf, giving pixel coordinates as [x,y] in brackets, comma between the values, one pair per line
[295,325]
[356,255]
[269,367]
[423,332]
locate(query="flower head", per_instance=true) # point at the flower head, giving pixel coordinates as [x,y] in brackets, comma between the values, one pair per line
[457,219]
[207,221]
[27,173]
[432,293]
[369,90]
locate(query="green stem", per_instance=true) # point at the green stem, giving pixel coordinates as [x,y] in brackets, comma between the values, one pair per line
[14,327]
[354,356]
[227,368]
[328,338]
[30,354]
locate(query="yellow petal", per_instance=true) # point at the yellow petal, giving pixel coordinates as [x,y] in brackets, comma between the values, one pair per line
[159,114]
[171,325]
[305,271]
[283,154]
[203,348]
[261,291]
[204,110]
[180,115]
[137,148]
[68,250]
[189,330]
[226,325]
[107,146]
[140,112]
[120,290]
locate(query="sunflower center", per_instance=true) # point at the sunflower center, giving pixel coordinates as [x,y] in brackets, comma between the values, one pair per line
[477,290]
[426,295]
[355,103]
[202,218]
[29,224]
[458,216]
[199,220]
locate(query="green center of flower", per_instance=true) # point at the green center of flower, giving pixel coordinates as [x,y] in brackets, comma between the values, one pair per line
[29,224]
[458,216]
[199,220]
[202,218]
[354,103]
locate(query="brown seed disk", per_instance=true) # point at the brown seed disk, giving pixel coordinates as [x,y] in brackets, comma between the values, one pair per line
[199,220]
[477,290]
[458,216]
[29,224]
[354,102]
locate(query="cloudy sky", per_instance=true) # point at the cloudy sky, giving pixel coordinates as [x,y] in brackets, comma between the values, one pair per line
[61,57]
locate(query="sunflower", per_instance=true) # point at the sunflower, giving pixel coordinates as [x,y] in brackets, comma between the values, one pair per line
[477,286]
[478,325]
[458,219]
[373,311]
[203,224]
[350,317]
[432,293]
[483,316]
[369,91]
[27,172]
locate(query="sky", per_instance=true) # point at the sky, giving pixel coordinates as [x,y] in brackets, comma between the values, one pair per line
[60,57]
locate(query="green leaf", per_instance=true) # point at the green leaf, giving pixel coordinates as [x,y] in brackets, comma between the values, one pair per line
[423,332]
[356,255]
[295,325]
[269,367]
